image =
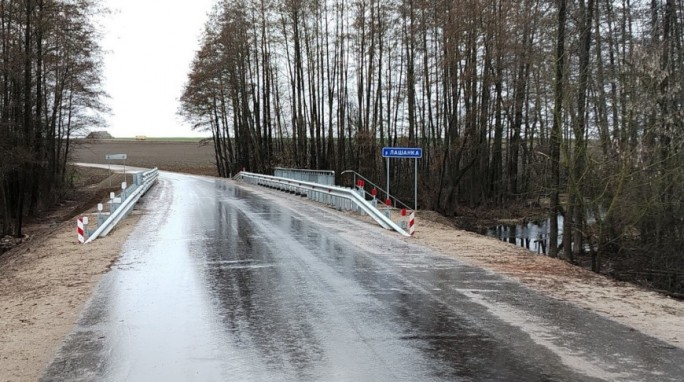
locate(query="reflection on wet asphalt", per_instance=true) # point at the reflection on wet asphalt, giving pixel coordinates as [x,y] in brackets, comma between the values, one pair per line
[220,283]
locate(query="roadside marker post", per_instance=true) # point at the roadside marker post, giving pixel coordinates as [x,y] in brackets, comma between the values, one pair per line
[111,202]
[80,230]
[360,185]
[100,218]
[86,233]
[412,223]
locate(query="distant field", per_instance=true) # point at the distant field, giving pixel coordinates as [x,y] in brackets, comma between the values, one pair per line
[171,154]
[161,139]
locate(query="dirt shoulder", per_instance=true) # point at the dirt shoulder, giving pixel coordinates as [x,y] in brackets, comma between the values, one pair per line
[43,289]
[649,312]
[46,281]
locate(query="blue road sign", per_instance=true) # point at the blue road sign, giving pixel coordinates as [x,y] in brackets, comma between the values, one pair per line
[402,152]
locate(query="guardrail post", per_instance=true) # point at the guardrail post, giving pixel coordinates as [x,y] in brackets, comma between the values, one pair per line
[86,233]
[362,193]
[114,203]
[100,217]
[403,223]
[111,202]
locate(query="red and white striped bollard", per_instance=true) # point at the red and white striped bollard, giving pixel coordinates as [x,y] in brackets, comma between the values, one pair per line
[412,223]
[80,230]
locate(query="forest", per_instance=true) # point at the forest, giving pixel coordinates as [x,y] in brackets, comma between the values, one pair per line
[49,91]
[575,102]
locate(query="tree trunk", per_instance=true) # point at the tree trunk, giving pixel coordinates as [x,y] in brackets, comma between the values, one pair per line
[556,130]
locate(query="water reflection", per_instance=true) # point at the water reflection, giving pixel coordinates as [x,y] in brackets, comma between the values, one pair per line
[251,287]
[231,286]
[533,235]
[305,302]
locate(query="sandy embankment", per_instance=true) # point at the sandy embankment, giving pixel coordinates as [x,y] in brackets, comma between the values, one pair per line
[649,312]
[43,288]
[46,282]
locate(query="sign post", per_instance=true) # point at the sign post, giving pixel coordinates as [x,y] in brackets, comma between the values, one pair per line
[404,152]
[110,158]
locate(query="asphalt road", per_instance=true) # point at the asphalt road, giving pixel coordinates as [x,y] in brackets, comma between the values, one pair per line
[223,282]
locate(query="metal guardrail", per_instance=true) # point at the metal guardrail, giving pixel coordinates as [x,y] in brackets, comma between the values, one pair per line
[326,177]
[141,183]
[343,198]
[380,189]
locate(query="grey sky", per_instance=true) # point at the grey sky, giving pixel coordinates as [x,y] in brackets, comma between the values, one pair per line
[149,46]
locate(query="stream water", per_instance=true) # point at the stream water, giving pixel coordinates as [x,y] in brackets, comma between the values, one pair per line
[534,235]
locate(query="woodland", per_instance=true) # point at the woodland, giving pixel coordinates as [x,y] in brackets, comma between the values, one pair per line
[49,92]
[576,102]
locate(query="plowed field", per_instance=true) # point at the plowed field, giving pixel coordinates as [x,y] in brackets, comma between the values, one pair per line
[179,156]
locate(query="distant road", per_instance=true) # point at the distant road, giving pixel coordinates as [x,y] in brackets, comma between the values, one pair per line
[113,167]
[172,155]
[221,282]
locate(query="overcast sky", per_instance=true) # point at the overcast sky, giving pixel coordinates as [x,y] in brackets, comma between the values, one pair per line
[149,45]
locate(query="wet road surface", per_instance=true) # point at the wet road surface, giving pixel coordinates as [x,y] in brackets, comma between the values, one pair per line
[222,282]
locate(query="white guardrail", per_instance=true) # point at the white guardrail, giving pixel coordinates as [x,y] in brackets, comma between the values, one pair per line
[326,177]
[143,182]
[331,195]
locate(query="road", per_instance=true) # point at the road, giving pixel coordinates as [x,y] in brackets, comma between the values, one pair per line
[228,282]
